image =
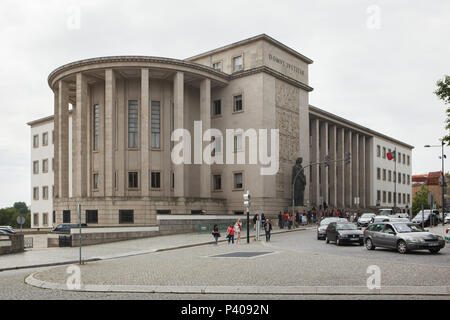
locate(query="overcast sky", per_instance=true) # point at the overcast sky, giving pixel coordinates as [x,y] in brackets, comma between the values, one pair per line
[375,62]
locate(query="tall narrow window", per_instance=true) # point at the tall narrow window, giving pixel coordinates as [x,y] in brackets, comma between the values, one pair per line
[35,141]
[217,182]
[238,183]
[95,182]
[237,103]
[96,123]
[45,139]
[35,167]
[156,124]
[133,119]
[238,142]
[217,66]
[133,180]
[217,107]
[238,63]
[156,180]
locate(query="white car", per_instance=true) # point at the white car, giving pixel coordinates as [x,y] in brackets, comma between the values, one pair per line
[385,212]
[447,218]
[447,235]
[365,219]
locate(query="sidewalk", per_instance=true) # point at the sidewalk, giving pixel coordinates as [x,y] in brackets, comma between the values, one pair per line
[62,256]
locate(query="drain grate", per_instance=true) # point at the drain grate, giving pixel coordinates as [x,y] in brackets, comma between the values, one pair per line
[241,255]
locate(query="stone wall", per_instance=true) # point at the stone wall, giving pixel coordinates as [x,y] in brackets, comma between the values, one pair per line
[11,244]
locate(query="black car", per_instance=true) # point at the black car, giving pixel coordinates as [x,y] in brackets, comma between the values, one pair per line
[65,227]
[344,232]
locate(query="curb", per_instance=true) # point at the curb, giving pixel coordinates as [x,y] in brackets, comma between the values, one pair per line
[132,254]
[249,290]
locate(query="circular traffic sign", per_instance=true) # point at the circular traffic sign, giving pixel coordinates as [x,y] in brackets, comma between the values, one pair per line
[20,220]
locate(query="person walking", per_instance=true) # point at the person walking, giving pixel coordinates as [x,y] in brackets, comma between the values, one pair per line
[263,220]
[216,233]
[290,221]
[268,229]
[280,220]
[255,218]
[237,230]
[230,234]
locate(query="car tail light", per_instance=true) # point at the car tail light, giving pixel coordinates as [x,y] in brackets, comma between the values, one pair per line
[446,231]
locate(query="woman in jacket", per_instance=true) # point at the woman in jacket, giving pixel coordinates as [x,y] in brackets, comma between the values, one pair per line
[230,234]
[216,233]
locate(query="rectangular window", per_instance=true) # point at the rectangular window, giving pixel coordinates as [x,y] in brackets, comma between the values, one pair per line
[133,119]
[384,196]
[217,107]
[384,174]
[378,174]
[409,180]
[217,182]
[238,181]
[96,124]
[156,180]
[404,178]
[45,219]
[217,144]
[217,66]
[384,153]
[399,178]
[395,197]
[409,198]
[156,124]
[404,159]
[45,193]
[54,216]
[389,175]
[378,195]
[92,216]
[66,216]
[237,103]
[95,181]
[36,219]
[133,180]
[378,151]
[126,216]
[404,198]
[36,193]
[45,139]
[35,167]
[36,141]
[45,165]
[389,197]
[399,157]
[238,63]
[172,182]
[409,160]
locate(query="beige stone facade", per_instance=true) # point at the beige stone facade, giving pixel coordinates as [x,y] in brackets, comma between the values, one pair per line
[120,164]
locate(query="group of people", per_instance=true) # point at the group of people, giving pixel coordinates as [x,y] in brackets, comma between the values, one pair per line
[313,216]
[234,230]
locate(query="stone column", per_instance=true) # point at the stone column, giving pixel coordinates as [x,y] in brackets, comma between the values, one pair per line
[324,170]
[110,115]
[355,167]
[348,170]
[340,168]
[81,129]
[56,144]
[178,93]
[205,116]
[145,145]
[315,185]
[63,141]
[333,166]
[362,170]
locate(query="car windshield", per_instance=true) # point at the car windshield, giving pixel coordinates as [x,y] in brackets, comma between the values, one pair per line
[408,227]
[368,215]
[346,226]
[327,221]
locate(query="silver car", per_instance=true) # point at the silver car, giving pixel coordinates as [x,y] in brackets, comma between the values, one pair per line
[402,236]
[365,219]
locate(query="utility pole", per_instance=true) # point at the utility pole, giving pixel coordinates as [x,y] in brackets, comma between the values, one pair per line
[247,205]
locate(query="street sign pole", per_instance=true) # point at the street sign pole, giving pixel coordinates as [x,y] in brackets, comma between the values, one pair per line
[79,218]
[247,205]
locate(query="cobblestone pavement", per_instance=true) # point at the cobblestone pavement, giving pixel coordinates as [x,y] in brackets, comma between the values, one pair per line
[286,266]
[108,250]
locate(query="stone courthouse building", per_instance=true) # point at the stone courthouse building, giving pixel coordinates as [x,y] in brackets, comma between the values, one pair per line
[123,109]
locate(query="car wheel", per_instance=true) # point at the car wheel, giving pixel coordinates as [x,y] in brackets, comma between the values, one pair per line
[369,245]
[338,242]
[401,247]
[435,250]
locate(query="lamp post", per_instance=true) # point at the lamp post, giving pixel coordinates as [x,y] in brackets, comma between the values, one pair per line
[443,157]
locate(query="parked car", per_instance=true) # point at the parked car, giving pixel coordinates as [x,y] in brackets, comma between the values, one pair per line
[400,215]
[447,235]
[322,229]
[65,227]
[365,219]
[385,212]
[447,218]
[344,232]
[401,236]
[429,218]
[377,219]
[7,230]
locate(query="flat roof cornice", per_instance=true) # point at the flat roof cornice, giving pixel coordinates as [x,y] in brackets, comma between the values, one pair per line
[253,39]
[322,113]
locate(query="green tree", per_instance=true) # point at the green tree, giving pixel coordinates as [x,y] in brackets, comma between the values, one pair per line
[420,198]
[443,93]
[21,207]
[8,216]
